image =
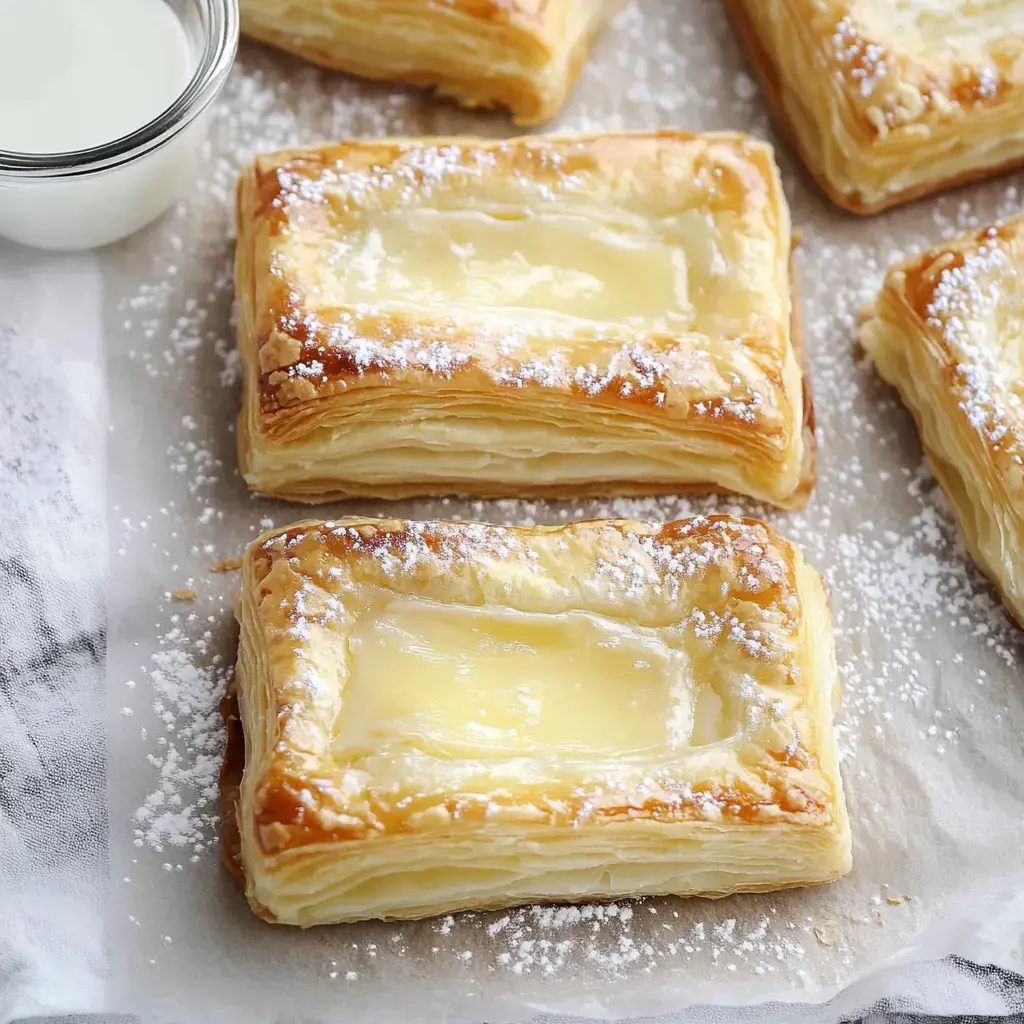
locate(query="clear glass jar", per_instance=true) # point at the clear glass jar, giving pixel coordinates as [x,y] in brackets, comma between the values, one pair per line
[91,197]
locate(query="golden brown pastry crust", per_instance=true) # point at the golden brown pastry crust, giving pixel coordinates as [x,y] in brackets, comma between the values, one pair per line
[342,813]
[521,54]
[692,382]
[889,103]
[947,330]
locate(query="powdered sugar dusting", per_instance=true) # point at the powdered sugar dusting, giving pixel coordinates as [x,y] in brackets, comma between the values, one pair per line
[862,60]
[414,175]
[183,812]
[892,74]
[963,308]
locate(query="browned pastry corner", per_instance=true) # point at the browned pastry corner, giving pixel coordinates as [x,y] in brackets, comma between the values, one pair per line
[520,54]
[878,125]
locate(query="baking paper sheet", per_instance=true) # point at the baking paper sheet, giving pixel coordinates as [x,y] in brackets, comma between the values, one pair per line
[934,700]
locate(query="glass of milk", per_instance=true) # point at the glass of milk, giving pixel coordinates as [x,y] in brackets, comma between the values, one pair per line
[102,112]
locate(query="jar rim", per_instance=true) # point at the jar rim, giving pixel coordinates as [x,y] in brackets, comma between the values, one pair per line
[220,44]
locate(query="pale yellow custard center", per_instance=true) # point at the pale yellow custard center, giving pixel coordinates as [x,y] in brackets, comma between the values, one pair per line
[554,268]
[490,682]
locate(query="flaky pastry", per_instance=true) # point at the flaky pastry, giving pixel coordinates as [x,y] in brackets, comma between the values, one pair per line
[521,54]
[438,716]
[947,330]
[888,100]
[561,315]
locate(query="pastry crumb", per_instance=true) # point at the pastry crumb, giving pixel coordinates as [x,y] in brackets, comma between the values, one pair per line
[894,901]
[825,934]
[227,565]
[184,594]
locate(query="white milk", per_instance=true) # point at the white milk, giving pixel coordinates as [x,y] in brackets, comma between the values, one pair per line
[76,74]
[80,73]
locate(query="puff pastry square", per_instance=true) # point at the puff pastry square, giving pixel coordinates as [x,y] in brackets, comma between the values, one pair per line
[521,54]
[438,716]
[888,100]
[561,315]
[947,330]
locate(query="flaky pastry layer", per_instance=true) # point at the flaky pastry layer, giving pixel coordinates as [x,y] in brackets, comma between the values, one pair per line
[521,54]
[947,330]
[439,716]
[596,314]
[886,102]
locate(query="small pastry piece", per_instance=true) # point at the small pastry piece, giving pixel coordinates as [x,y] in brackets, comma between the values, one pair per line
[439,716]
[888,101]
[520,54]
[597,314]
[947,330]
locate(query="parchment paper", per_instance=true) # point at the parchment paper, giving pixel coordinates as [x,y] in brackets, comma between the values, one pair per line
[934,700]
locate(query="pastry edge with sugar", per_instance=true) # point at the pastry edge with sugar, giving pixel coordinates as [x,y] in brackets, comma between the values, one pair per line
[980,467]
[852,194]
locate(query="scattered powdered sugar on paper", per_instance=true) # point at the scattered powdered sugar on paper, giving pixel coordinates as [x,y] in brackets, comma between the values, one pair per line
[183,813]
[635,935]
[877,527]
